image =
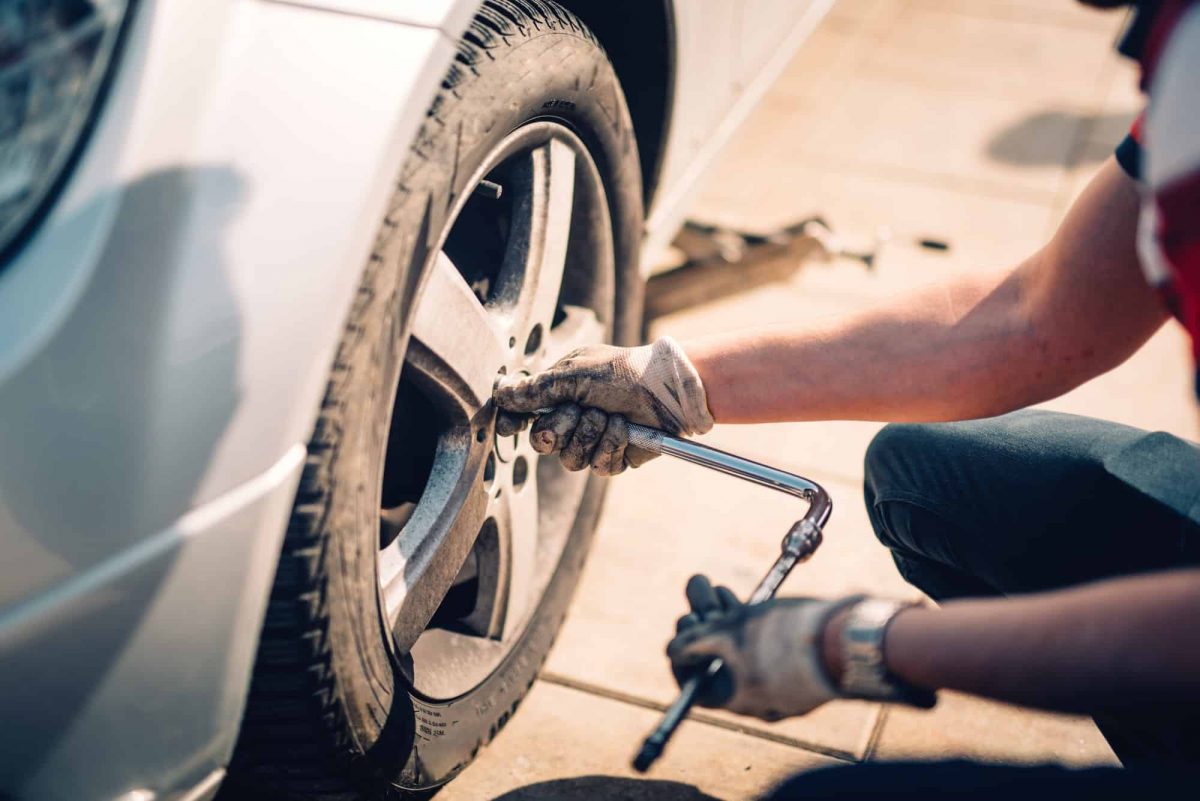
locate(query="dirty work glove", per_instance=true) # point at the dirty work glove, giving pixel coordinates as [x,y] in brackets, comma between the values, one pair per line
[594,392]
[771,651]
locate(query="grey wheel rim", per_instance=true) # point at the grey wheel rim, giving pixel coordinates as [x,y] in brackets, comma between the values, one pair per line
[523,276]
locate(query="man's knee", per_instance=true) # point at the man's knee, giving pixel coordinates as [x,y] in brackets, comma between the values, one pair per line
[888,474]
[908,503]
[891,454]
[900,464]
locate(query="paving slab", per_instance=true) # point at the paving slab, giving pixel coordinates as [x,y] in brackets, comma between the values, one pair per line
[972,728]
[1114,114]
[670,520]
[926,90]
[942,133]
[1012,57]
[567,745]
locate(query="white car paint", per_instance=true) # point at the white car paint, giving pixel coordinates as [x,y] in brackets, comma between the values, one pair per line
[151,424]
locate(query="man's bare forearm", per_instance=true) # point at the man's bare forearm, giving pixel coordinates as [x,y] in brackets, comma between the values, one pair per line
[931,356]
[978,346]
[1120,642]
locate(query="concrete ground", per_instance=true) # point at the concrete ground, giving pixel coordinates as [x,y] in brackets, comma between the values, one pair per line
[970,122]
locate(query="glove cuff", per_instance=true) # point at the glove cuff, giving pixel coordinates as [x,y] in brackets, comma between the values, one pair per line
[666,372]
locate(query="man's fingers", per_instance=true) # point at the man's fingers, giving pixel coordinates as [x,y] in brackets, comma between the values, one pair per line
[693,651]
[553,430]
[530,393]
[608,459]
[577,453]
[699,649]
[636,457]
[508,424]
[686,622]
[727,599]
[701,596]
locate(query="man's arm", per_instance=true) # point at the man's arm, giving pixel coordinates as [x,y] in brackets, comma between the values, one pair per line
[979,346]
[1120,642]
[976,347]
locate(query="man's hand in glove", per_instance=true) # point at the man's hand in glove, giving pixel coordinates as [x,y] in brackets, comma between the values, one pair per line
[771,651]
[594,391]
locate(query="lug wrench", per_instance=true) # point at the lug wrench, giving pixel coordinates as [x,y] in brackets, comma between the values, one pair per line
[798,545]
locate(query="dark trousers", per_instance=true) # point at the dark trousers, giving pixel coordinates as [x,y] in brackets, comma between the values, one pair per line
[1037,501]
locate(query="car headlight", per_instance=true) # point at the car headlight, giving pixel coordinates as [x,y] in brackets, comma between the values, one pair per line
[54,55]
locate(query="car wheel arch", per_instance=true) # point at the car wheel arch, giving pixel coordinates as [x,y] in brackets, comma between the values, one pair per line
[633,34]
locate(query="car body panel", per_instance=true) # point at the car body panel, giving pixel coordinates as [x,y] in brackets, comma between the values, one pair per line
[153,426]
[185,248]
[133,677]
[196,247]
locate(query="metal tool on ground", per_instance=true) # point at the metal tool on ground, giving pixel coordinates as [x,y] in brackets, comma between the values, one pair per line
[720,260]
[798,545]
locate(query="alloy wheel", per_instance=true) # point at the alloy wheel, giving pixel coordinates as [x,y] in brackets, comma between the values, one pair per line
[472,525]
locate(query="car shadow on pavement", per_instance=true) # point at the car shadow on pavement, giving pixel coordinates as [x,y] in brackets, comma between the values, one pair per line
[594,788]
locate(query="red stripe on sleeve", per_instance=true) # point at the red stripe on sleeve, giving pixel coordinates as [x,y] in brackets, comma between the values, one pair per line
[1139,126]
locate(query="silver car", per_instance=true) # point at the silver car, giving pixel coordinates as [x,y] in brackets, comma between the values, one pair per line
[263,262]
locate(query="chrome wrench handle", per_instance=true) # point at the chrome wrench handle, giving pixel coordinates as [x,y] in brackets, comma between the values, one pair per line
[651,439]
[798,545]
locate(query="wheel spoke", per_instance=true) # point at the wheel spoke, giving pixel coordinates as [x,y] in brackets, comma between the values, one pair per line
[578,328]
[456,347]
[561,490]
[418,567]
[392,521]
[519,537]
[538,252]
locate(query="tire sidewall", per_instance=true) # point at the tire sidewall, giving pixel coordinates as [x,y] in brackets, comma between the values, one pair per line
[478,107]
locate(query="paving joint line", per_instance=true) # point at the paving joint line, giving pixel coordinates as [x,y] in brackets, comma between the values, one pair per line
[876,733]
[696,717]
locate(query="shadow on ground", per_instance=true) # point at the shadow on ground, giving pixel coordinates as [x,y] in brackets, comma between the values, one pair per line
[589,788]
[1037,140]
